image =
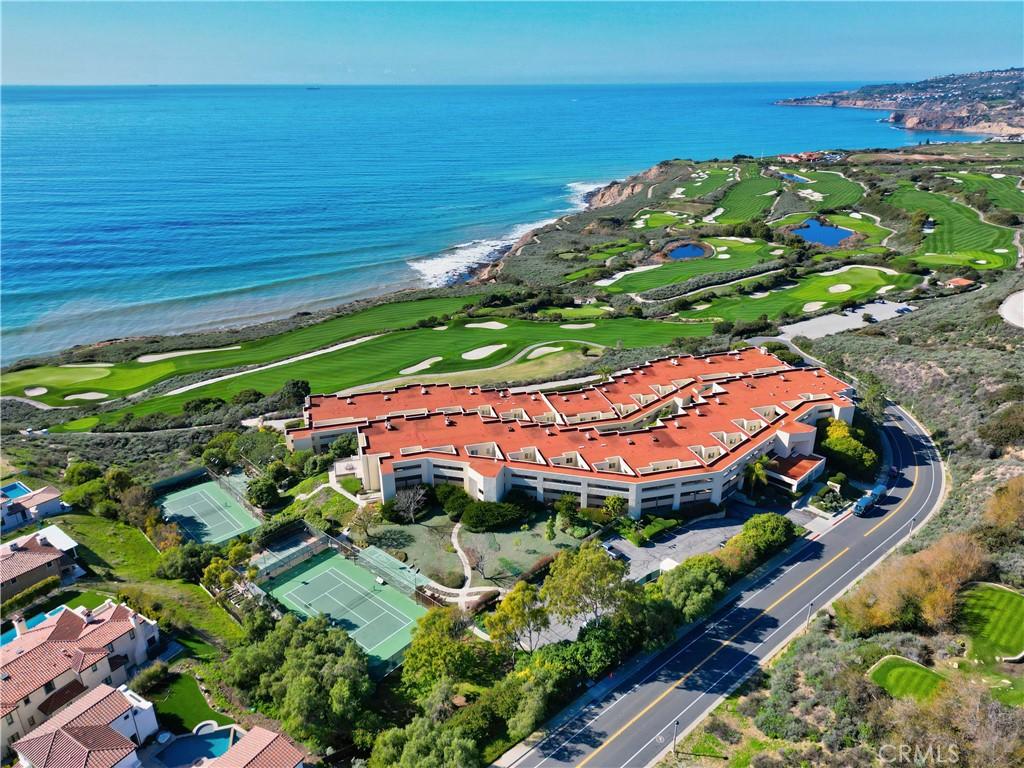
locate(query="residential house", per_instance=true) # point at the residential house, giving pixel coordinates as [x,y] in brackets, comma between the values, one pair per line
[100,729]
[260,748]
[28,560]
[20,505]
[45,668]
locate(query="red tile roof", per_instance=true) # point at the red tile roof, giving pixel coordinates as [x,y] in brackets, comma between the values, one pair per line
[260,748]
[727,402]
[795,467]
[62,643]
[80,735]
[25,555]
[62,697]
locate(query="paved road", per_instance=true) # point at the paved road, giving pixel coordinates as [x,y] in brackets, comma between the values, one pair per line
[633,723]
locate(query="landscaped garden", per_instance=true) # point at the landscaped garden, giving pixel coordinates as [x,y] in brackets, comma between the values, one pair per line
[180,705]
[960,238]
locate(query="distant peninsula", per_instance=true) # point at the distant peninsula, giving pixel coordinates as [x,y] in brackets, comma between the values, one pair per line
[989,102]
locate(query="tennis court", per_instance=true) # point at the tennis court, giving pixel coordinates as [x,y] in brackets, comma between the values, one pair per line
[207,513]
[377,616]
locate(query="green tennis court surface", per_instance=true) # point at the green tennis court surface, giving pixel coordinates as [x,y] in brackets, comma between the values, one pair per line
[207,513]
[378,617]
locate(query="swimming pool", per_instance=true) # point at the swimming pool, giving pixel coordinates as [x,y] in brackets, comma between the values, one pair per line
[688,251]
[39,618]
[186,750]
[813,231]
[15,489]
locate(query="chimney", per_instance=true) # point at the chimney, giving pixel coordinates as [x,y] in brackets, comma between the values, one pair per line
[20,627]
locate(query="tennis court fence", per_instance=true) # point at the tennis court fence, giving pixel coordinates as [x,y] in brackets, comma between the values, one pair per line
[235,492]
[301,541]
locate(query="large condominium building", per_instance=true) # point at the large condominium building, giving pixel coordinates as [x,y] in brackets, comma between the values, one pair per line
[671,432]
[46,667]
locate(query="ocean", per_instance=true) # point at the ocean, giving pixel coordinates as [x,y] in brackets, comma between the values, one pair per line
[134,210]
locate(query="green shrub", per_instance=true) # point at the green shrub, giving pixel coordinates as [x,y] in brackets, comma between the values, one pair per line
[453,500]
[150,679]
[29,595]
[659,524]
[488,515]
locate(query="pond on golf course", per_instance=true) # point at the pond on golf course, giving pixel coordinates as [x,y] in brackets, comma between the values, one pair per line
[688,251]
[813,231]
[794,177]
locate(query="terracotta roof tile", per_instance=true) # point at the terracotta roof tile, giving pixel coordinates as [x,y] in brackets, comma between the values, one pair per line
[260,748]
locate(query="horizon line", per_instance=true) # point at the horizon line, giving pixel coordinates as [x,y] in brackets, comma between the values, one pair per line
[421,85]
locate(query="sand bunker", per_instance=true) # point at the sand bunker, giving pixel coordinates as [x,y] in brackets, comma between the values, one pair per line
[810,194]
[981,261]
[702,306]
[441,328]
[491,325]
[839,288]
[739,239]
[759,295]
[1000,250]
[541,351]
[87,396]
[420,366]
[36,391]
[855,215]
[998,175]
[770,193]
[576,326]
[710,218]
[723,256]
[156,357]
[87,365]
[813,306]
[481,352]
[885,289]
[778,251]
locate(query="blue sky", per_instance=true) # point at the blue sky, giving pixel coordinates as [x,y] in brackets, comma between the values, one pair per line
[433,43]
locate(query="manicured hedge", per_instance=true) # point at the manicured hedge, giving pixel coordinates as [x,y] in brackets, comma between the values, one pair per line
[30,595]
[481,516]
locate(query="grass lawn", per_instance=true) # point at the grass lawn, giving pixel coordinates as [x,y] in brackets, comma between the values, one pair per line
[506,554]
[902,678]
[960,237]
[740,256]
[581,273]
[837,191]
[587,311]
[121,557]
[873,233]
[994,618]
[125,378]
[604,251]
[655,219]
[180,705]
[748,198]
[706,180]
[1003,192]
[426,543]
[383,358]
[809,294]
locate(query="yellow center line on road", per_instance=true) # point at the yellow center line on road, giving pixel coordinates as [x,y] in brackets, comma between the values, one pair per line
[704,661]
[897,508]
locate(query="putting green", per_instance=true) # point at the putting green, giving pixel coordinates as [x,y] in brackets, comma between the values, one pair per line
[652,219]
[994,618]
[129,377]
[835,191]
[384,357]
[741,255]
[1004,191]
[813,291]
[748,198]
[904,678]
[960,238]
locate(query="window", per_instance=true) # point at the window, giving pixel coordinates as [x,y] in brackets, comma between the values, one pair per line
[31,720]
[108,680]
[50,564]
[131,634]
[95,667]
[110,647]
[26,701]
[48,687]
[10,719]
[126,715]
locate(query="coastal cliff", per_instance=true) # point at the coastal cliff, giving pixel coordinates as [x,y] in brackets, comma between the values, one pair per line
[980,102]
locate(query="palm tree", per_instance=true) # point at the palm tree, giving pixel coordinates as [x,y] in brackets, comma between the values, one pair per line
[605,372]
[756,472]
